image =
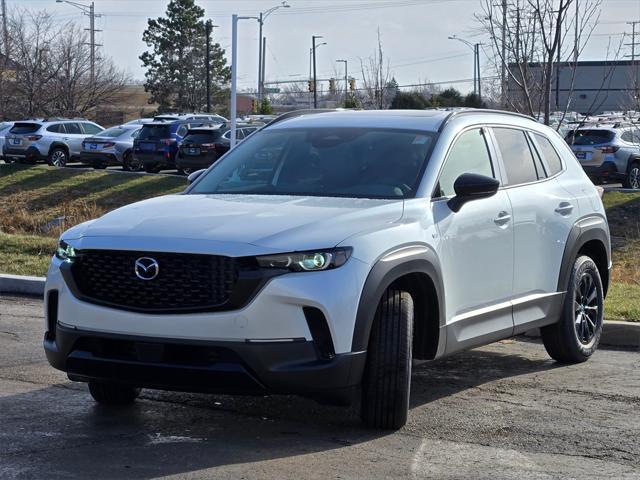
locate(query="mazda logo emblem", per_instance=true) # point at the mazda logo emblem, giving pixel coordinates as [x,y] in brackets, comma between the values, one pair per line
[146,268]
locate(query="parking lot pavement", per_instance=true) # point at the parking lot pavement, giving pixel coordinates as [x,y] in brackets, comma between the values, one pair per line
[503,411]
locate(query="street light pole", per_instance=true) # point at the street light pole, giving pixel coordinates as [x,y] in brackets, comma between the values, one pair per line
[261,54]
[234,75]
[315,86]
[346,79]
[475,47]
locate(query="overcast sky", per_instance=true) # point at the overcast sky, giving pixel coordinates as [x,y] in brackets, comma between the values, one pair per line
[414,34]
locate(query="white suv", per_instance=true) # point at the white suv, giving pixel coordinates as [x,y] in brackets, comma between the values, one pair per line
[326,251]
[55,141]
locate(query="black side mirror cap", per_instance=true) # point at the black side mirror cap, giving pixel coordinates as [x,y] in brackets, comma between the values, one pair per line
[471,186]
[195,175]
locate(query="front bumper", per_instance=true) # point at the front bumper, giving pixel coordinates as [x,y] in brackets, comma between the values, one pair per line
[204,366]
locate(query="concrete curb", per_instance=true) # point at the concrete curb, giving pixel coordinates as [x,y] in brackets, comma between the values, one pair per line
[614,334]
[22,284]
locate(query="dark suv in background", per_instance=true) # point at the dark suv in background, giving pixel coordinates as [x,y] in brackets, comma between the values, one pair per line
[202,146]
[608,152]
[156,145]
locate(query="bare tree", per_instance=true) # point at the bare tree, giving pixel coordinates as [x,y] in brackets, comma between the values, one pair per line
[532,39]
[376,75]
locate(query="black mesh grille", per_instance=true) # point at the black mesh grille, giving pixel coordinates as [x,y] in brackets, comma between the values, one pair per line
[184,281]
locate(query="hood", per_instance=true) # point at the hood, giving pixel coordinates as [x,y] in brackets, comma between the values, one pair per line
[216,222]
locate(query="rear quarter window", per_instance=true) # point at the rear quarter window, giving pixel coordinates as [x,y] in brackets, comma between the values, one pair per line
[549,154]
[56,128]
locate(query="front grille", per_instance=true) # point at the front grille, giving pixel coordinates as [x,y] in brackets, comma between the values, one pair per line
[184,281]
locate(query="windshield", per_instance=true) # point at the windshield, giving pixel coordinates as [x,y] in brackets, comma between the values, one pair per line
[334,162]
[589,137]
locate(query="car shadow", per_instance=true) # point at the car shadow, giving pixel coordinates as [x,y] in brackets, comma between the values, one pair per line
[58,431]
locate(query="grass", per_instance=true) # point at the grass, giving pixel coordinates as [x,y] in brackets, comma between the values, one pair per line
[38,203]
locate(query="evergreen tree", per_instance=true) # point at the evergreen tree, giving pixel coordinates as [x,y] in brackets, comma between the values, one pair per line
[409,100]
[176,61]
[265,107]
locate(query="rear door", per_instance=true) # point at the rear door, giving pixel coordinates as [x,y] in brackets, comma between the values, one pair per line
[543,215]
[74,137]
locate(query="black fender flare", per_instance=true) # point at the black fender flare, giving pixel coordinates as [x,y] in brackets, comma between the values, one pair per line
[393,264]
[586,229]
[55,145]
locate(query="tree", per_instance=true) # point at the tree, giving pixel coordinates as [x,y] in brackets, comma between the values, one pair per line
[447,98]
[409,100]
[378,91]
[176,63]
[265,107]
[530,39]
[472,100]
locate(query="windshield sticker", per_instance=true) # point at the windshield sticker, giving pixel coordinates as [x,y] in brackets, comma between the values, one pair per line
[420,140]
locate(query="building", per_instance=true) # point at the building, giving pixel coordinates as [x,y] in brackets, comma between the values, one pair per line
[598,86]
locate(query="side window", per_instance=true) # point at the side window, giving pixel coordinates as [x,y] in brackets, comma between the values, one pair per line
[90,128]
[73,128]
[627,136]
[227,135]
[239,134]
[469,154]
[516,155]
[549,154]
[56,128]
[636,136]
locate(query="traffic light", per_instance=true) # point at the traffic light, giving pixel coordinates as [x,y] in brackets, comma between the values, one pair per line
[352,84]
[312,85]
[332,85]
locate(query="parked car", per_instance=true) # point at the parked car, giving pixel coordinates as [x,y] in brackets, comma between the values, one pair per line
[329,250]
[54,141]
[156,145]
[113,146]
[208,117]
[4,129]
[139,121]
[202,146]
[608,153]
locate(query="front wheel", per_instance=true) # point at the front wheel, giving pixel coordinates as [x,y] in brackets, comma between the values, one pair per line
[633,177]
[576,336]
[113,393]
[387,377]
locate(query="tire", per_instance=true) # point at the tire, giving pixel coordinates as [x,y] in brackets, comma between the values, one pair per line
[130,164]
[113,393]
[58,157]
[576,336]
[633,176]
[387,377]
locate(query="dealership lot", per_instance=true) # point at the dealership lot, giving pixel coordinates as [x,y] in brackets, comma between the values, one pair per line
[502,411]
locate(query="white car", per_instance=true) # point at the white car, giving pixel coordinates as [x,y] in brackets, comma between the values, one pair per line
[326,251]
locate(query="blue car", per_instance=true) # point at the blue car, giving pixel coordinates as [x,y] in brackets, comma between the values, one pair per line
[156,145]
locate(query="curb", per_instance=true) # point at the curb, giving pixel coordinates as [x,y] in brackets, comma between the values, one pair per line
[614,334]
[22,284]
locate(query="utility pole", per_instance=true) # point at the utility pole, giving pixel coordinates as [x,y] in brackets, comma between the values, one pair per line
[346,79]
[503,73]
[477,48]
[264,62]
[5,31]
[576,33]
[261,18]
[234,75]
[91,12]
[208,64]
[315,86]
[634,65]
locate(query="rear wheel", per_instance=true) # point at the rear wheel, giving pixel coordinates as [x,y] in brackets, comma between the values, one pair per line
[113,393]
[58,157]
[576,336]
[387,376]
[130,163]
[633,177]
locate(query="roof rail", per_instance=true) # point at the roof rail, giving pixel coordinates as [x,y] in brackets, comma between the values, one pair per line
[298,113]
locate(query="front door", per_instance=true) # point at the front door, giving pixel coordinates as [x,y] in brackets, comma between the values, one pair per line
[475,249]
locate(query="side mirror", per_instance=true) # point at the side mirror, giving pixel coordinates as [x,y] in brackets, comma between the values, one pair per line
[195,175]
[471,186]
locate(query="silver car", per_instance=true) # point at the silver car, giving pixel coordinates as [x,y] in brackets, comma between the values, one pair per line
[54,141]
[4,129]
[608,153]
[111,147]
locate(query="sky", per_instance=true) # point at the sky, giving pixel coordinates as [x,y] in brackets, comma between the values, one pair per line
[413,32]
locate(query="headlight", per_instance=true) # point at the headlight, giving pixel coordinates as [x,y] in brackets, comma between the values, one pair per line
[65,251]
[306,261]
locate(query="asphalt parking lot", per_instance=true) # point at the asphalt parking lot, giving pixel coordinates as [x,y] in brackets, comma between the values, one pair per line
[502,411]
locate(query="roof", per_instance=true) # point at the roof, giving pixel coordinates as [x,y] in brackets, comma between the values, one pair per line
[428,120]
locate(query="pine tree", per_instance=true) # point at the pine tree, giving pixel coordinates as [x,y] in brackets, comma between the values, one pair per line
[176,61]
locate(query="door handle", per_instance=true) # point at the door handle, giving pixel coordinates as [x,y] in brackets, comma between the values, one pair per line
[564,209]
[502,219]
